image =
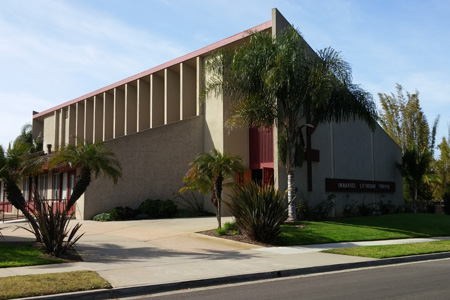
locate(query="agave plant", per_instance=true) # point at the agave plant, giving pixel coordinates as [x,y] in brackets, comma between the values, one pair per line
[259,211]
[53,228]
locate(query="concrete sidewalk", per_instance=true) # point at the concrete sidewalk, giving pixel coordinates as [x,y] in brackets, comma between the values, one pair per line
[149,256]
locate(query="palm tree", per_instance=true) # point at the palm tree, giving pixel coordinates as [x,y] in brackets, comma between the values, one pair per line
[282,81]
[414,167]
[208,173]
[92,159]
[15,164]
[26,136]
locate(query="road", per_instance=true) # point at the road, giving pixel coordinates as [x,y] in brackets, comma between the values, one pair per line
[424,280]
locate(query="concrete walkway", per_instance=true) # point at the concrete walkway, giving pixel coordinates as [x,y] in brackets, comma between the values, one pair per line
[157,255]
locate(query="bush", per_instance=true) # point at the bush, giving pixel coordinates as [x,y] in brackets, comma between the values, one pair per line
[229,226]
[446,199]
[53,234]
[319,212]
[122,213]
[221,231]
[157,209]
[193,202]
[103,217]
[258,211]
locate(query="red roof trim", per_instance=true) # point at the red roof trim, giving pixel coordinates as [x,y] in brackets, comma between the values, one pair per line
[163,66]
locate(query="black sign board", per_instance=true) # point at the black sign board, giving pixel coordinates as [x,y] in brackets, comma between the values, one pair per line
[354,185]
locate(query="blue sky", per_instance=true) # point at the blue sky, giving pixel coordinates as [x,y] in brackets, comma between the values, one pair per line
[54,51]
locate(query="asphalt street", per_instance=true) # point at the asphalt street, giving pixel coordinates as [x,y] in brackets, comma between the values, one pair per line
[424,280]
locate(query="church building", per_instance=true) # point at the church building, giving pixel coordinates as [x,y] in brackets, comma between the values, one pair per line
[156,125]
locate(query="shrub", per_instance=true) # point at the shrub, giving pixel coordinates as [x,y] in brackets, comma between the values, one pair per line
[319,212]
[157,209]
[221,231]
[103,217]
[53,234]
[193,202]
[446,199]
[122,213]
[230,226]
[258,211]
[365,210]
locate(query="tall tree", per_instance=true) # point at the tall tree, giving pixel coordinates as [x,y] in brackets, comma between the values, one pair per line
[279,80]
[26,136]
[442,168]
[208,173]
[92,159]
[402,117]
[15,164]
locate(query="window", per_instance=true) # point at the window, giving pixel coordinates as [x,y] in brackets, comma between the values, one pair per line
[64,187]
[26,189]
[71,183]
[55,187]
[42,188]
[2,197]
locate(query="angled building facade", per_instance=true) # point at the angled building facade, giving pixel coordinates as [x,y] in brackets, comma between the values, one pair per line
[156,124]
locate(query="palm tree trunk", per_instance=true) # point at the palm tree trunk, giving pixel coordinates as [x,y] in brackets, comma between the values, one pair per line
[83,181]
[292,214]
[218,192]
[15,196]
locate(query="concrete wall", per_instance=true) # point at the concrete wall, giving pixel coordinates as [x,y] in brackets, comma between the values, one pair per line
[154,162]
[350,150]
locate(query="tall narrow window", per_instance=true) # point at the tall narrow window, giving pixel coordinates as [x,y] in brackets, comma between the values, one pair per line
[64,189]
[43,186]
[71,183]
[26,189]
[55,187]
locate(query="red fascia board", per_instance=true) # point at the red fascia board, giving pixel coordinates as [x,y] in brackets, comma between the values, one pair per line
[163,66]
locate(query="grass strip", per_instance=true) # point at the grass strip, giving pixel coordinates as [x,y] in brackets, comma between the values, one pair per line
[49,284]
[396,226]
[23,255]
[388,251]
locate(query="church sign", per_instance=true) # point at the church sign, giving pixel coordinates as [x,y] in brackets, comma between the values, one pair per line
[362,186]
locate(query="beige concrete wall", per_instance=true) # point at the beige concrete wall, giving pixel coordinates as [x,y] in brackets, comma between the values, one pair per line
[98,118]
[131,107]
[157,99]
[188,91]
[154,162]
[49,131]
[80,117]
[143,99]
[350,150]
[119,111]
[172,94]
[89,119]
[108,115]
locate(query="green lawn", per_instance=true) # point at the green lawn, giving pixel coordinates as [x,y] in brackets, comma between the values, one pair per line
[49,284]
[23,255]
[394,226]
[394,250]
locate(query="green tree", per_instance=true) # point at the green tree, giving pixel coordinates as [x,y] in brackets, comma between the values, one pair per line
[92,160]
[280,80]
[15,164]
[26,136]
[442,169]
[404,120]
[402,117]
[415,165]
[208,173]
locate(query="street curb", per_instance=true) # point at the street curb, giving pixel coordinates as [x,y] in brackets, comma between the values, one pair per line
[175,286]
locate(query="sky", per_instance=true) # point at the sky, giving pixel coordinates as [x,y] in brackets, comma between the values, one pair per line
[54,51]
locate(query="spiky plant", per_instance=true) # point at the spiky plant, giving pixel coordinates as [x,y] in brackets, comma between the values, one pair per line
[258,210]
